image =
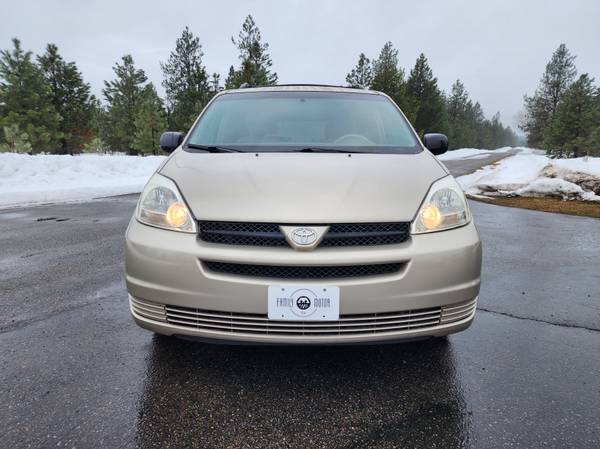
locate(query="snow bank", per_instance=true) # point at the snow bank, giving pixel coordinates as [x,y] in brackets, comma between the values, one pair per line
[26,179]
[477,153]
[507,175]
[555,187]
[531,174]
[587,165]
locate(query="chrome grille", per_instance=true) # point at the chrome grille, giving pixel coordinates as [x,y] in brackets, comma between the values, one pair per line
[269,234]
[148,309]
[259,324]
[458,312]
[251,323]
[303,272]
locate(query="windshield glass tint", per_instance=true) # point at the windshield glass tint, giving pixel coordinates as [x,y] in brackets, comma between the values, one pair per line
[286,121]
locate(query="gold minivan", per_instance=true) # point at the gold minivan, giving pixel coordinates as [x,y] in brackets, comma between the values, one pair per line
[302,214]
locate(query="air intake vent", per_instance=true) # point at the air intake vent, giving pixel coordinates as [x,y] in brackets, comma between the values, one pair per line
[303,272]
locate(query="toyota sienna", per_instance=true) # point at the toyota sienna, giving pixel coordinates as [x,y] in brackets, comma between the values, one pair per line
[302,215]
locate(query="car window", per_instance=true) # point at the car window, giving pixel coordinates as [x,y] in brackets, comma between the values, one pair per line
[283,121]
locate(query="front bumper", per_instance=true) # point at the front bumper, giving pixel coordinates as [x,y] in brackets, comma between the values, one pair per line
[173,293]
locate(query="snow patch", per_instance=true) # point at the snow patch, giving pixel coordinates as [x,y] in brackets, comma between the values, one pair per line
[507,175]
[531,174]
[587,165]
[43,178]
[551,187]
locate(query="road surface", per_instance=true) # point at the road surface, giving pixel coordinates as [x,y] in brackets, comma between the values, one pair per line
[460,167]
[76,372]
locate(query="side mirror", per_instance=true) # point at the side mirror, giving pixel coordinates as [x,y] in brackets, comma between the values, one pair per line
[436,143]
[170,140]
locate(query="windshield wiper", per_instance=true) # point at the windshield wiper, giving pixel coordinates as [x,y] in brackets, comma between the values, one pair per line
[220,149]
[213,148]
[324,150]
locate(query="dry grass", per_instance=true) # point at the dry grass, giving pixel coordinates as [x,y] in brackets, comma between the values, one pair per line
[555,205]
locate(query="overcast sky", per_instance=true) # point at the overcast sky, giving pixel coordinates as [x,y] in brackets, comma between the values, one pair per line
[497,48]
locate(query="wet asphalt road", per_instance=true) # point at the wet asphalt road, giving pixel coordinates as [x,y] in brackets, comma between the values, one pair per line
[76,372]
[460,167]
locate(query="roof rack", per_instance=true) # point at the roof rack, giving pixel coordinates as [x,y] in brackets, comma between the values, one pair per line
[317,85]
[248,85]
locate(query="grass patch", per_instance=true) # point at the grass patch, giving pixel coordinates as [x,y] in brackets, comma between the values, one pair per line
[554,205]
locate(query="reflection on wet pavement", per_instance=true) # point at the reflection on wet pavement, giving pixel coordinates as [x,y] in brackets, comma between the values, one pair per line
[247,396]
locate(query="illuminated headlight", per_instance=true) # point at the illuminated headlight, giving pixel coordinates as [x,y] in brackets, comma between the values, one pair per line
[445,207]
[162,205]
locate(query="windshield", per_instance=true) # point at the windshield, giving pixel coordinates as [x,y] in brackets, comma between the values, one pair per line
[293,121]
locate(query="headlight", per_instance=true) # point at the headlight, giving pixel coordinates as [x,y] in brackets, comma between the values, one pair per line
[445,207]
[162,205]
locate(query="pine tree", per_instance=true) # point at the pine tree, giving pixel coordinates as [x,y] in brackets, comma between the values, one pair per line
[25,99]
[459,108]
[426,98]
[361,76]
[124,96]
[570,131]
[468,127]
[185,82]
[255,66]
[230,81]
[492,134]
[100,122]
[150,122]
[98,113]
[96,145]
[540,108]
[16,141]
[593,143]
[70,96]
[215,84]
[476,122]
[388,77]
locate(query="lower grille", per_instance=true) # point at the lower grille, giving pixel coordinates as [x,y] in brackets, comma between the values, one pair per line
[303,272]
[251,323]
[458,312]
[259,324]
[148,309]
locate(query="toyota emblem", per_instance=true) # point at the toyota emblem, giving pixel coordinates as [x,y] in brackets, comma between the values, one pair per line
[304,236]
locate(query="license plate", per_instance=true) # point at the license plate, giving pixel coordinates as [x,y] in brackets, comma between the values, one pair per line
[304,303]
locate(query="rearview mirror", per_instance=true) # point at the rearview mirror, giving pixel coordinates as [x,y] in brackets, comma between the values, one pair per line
[170,140]
[436,143]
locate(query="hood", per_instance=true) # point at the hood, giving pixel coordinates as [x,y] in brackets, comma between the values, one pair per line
[303,188]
